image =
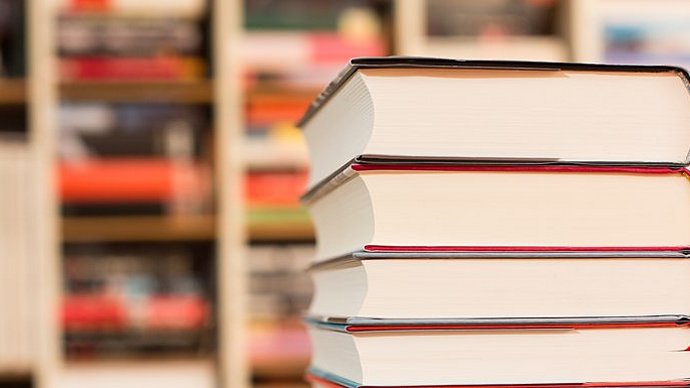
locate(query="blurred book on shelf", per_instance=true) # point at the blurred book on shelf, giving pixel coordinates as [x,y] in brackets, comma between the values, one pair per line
[280,292]
[491,19]
[87,35]
[137,299]
[149,8]
[133,130]
[132,40]
[301,45]
[495,29]
[273,208]
[280,149]
[642,32]
[155,186]
[133,159]
[291,49]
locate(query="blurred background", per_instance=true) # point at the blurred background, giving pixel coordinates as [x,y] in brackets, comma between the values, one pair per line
[150,169]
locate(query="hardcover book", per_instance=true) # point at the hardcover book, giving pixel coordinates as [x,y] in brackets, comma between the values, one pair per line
[420,109]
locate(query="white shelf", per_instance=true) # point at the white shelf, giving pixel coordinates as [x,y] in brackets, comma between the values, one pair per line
[139,374]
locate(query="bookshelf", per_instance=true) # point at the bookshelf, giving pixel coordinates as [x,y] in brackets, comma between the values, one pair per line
[234,144]
[220,231]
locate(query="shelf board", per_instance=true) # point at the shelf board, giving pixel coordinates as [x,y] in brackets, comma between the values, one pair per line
[138,228]
[161,228]
[259,232]
[286,91]
[200,92]
[139,373]
[12,91]
[280,368]
[15,371]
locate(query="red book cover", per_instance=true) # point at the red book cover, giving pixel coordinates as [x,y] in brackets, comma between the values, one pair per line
[115,68]
[93,312]
[123,180]
[176,312]
[274,189]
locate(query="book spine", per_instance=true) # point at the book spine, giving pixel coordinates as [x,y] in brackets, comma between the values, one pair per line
[121,181]
[130,68]
[126,37]
[157,8]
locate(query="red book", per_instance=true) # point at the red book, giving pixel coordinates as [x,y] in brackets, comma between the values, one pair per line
[93,312]
[274,189]
[117,68]
[125,180]
[488,208]
[174,312]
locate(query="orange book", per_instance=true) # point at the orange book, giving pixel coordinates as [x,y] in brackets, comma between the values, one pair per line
[125,180]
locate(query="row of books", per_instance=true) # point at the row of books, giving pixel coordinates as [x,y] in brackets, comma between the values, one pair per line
[492,20]
[129,40]
[644,33]
[140,159]
[131,299]
[19,263]
[488,223]
[279,292]
[279,289]
[160,186]
[290,49]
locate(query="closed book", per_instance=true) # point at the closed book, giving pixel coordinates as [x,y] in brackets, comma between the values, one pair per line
[422,207]
[150,8]
[324,381]
[515,112]
[580,354]
[171,68]
[86,35]
[128,180]
[408,288]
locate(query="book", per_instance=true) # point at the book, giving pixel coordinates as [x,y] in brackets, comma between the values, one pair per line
[99,68]
[519,112]
[584,354]
[644,33]
[491,20]
[136,299]
[323,381]
[131,130]
[86,35]
[423,207]
[131,181]
[445,287]
[279,287]
[151,8]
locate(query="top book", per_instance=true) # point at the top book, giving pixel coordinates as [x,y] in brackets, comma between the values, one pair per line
[420,109]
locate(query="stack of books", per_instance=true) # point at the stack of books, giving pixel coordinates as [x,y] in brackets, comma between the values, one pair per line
[489,223]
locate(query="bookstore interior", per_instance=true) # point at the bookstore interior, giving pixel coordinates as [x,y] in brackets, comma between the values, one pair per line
[158,192]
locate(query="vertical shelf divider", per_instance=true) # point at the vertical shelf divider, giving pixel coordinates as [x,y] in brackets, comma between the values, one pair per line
[229,173]
[42,104]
